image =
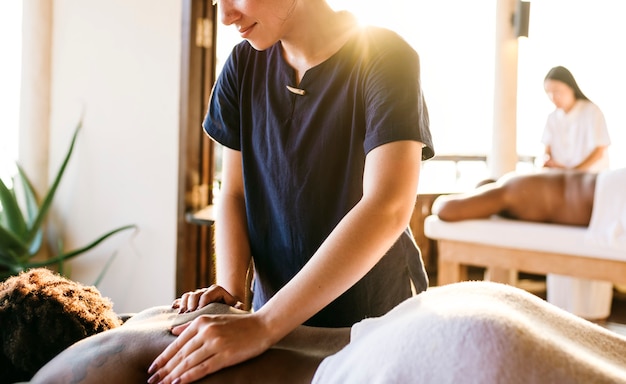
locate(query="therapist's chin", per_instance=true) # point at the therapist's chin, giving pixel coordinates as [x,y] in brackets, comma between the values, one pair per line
[261,44]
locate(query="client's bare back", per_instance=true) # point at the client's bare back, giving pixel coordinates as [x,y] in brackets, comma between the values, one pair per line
[559,197]
[123,354]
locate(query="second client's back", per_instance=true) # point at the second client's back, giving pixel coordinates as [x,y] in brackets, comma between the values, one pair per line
[559,197]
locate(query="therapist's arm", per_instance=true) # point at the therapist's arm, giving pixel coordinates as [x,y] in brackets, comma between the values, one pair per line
[232,246]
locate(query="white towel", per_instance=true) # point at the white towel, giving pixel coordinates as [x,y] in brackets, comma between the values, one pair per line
[477,332]
[607,227]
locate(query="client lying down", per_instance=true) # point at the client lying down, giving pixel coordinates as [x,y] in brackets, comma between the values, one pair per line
[467,332]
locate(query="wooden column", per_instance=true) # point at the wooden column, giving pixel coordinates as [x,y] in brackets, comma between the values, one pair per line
[194,260]
[503,156]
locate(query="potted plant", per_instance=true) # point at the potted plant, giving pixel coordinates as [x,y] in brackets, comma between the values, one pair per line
[22,219]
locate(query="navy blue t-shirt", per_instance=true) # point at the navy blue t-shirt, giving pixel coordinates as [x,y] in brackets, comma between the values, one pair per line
[304,156]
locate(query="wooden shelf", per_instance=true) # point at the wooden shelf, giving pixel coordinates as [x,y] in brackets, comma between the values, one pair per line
[204,216]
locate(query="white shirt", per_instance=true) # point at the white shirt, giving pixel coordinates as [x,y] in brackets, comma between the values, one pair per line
[572,136]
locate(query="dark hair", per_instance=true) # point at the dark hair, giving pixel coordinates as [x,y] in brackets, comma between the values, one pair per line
[563,75]
[41,314]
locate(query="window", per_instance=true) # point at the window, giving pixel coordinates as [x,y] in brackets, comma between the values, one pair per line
[455,40]
[457,69]
[456,43]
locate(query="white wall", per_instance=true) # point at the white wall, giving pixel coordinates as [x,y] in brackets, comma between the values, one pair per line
[10,71]
[118,63]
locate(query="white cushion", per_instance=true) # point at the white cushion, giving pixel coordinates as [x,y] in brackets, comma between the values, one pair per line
[516,234]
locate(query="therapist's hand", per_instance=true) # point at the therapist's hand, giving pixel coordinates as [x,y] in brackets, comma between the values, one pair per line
[208,344]
[190,301]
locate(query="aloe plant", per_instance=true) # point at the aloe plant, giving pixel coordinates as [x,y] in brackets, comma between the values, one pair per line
[22,219]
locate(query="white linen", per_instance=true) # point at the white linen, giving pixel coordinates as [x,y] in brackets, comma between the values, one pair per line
[589,299]
[517,234]
[607,227]
[477,332]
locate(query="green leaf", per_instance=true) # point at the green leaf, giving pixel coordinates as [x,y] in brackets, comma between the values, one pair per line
[105,269]
[11,270]
[8,262]
[32,205]
[8,258]
[36,243]
[3,219]
[76,252]
[11,211]
[47,201]
[9,265]
[11,245]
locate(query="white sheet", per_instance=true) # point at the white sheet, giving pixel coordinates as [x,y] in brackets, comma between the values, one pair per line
[520,235]
[477,332]
[608,220]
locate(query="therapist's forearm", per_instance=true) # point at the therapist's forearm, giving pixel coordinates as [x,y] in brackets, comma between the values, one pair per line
[231,246]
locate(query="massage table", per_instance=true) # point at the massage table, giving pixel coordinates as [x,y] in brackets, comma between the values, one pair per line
[594,256]
[503,245]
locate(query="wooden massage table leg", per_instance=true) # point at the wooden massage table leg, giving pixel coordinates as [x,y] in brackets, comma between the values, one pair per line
[450,270]
[501,275]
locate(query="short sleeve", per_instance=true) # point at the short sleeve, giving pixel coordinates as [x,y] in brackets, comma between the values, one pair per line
[394,102]
[601,132]
[221,122]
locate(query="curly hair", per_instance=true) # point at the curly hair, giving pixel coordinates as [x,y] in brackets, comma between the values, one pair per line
[41,314]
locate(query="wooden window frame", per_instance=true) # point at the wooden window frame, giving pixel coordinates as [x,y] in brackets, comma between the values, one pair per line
[194,255]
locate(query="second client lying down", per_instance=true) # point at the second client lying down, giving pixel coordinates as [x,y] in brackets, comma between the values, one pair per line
[555,196]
